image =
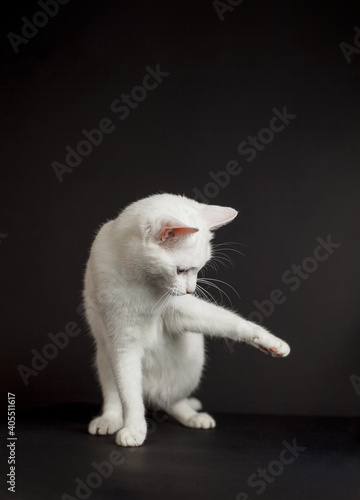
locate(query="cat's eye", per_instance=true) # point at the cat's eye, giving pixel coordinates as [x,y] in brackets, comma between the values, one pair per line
[181,270]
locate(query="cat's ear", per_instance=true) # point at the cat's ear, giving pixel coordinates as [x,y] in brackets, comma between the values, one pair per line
[171,230]
[216,216]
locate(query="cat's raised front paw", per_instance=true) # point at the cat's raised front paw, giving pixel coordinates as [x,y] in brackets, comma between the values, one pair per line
[269,344]
[131,436]
[105,425]
[201,421]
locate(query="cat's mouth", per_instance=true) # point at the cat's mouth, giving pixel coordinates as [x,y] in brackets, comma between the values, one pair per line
[176,292]
[179,293]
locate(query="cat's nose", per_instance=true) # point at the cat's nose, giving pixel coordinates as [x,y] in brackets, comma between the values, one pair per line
[189,291]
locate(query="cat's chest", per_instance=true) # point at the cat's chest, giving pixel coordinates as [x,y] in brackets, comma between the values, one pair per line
[152,333]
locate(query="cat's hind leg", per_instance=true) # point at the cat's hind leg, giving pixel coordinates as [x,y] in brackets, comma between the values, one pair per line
[111,420]
[184,412]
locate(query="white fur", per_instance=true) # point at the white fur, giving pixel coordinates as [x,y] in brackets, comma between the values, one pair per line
[148,325]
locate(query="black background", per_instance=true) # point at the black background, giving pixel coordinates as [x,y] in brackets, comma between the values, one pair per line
[225,78]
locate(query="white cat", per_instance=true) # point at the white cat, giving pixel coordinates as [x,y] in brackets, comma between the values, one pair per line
[147,322]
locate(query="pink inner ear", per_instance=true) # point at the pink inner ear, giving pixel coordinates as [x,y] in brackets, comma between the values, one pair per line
[173,228]
[216,216]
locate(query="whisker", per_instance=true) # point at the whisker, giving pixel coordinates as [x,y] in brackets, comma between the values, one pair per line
[222,246]
[206,293]
[168,303]
[199,292]
[229,243]
[219,257]
[219,289]
[211,264]
[221,254]
[224,282]
[160,302]
[223,259]
[172,307]
[233,250]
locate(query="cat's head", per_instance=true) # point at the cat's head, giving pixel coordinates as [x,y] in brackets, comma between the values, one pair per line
[174,241]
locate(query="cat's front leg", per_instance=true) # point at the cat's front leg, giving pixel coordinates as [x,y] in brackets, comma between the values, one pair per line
[111,419]
[126,362]
[196,315]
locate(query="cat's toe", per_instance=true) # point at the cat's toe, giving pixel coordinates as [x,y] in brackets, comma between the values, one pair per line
[280,351]
[104,425]
[131,436]
[201,421]
[270,344]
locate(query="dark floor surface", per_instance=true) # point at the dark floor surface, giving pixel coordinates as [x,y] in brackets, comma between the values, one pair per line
[245,457]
